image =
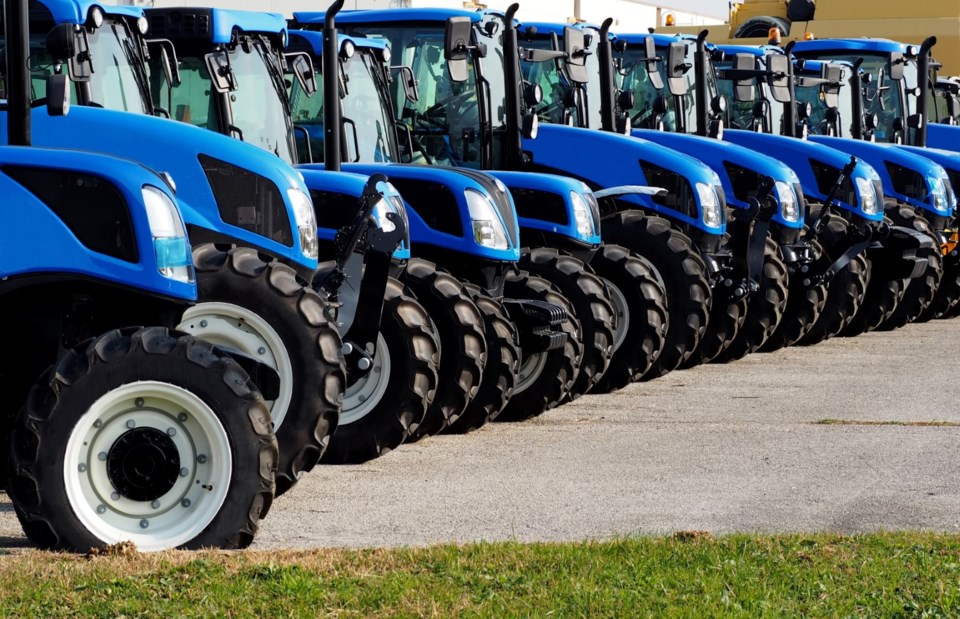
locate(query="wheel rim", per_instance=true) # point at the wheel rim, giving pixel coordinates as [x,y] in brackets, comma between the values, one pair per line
[363,395]
[623,314]
[119,473]
[232,326]
[530,370]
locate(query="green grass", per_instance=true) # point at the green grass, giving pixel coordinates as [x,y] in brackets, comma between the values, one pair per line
[692,575]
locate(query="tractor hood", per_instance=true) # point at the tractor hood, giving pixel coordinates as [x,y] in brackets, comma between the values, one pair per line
[229,189]
[740,171]
[439,209]
[907,177]
[616,160]
[818,168]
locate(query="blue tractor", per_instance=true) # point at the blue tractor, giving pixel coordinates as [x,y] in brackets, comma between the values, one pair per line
[557,217]
[249,215]
[474,112]
[445,210]
[890,109]
[116,432]
[759,82]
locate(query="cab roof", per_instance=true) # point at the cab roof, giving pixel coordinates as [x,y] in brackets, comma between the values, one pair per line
[883,46]
[77,11]
[387,15]
[314,39]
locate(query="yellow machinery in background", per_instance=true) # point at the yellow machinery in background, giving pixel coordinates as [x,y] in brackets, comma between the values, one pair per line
[900,20]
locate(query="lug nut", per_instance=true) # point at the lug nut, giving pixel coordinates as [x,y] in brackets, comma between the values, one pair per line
[184,472]
[144,523]
[346,349]
[185,503]
[131,424]
[155,505]
[101,509]
[171,431]
[202,458]
[203,324]
[102,456]
[182,417]
[261,351]
[139,402]
[97,423]
[82,468]
[364,364]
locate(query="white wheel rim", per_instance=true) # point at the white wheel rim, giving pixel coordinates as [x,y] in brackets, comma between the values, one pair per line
[362,396]
[623,314]
[201,484]
[232,326]
[530,370]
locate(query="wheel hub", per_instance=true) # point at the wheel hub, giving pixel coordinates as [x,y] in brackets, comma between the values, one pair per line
[143,464]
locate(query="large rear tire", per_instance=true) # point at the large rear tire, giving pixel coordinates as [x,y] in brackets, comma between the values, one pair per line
[921,290]
[253,303]
[640,300]
[948,294]
[143,436]
[463,348]
[805,302]
[881,301]
[844,296]
[545,378]
[503,365]
[684,276]
[383,408]
[765,309]
[591,305]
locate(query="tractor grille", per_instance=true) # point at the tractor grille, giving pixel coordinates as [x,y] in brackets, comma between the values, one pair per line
[248,200]
[541,205]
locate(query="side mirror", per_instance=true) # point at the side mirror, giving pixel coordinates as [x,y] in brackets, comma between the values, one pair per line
[677,68]
[779,75]
[456,48]
[409,83]
[833,76]
[575,47]
[746,89]
[896,66]
[221,73]
[304,71]
[653,63]
[64,45]
[61,42]
[58,95]
[718,105]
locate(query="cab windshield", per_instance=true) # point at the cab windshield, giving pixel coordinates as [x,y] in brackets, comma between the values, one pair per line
[556,89]
[118,81]
[635,78]
[881,95]
[366,112]
[447,122]
[748,115]
[259,105]
[819,123]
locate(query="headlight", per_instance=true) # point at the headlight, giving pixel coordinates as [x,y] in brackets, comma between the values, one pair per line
[306,222]
[488,230]
[939,196]
[868,196]
[170,243]
[710,205]
[788,201]
[583,216]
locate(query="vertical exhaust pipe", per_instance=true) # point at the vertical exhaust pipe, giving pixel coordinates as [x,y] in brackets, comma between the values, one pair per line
[700,74]
[608,86]
[17,25]
[923,82]
[511,73]
[332,124]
